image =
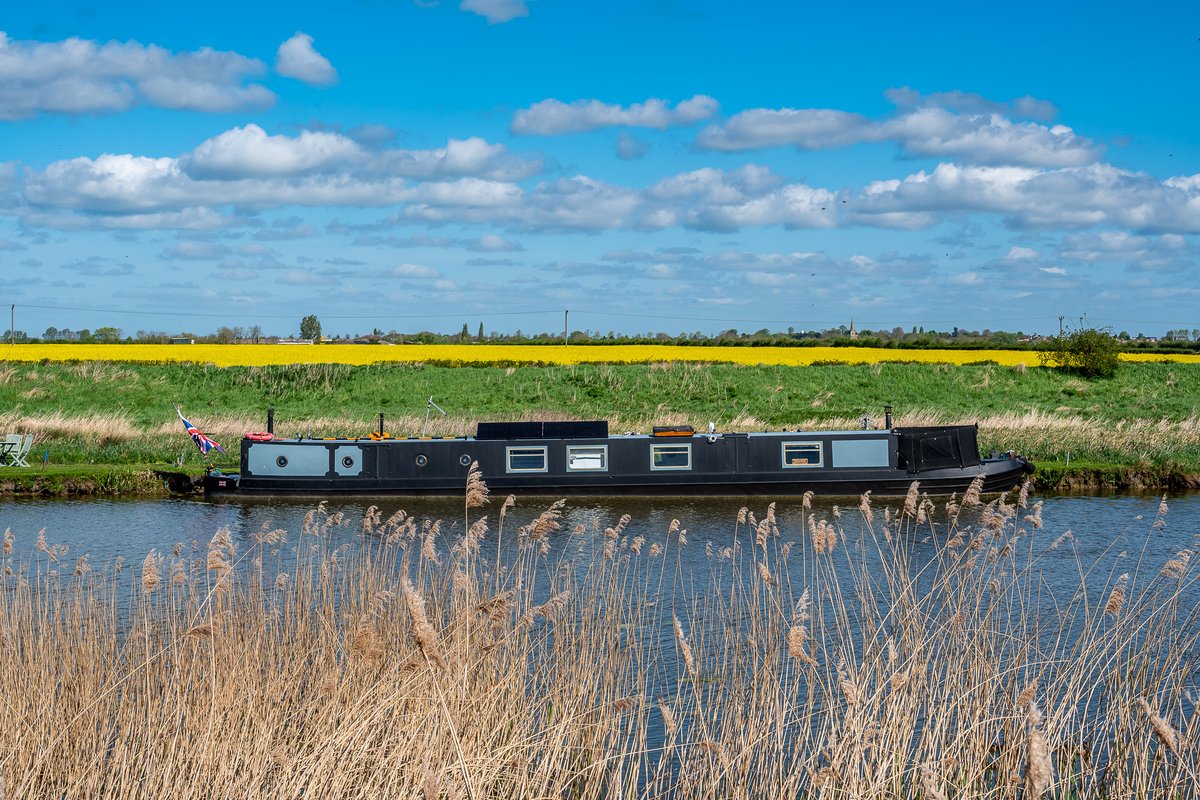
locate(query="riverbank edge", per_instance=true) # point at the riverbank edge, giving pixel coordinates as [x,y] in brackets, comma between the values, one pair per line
[116,480]
[95,480]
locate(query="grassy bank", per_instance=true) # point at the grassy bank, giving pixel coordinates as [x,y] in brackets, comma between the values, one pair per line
[412,662]
[1144,423]
[81,480]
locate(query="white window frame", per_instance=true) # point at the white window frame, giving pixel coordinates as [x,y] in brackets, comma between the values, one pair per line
[820,455]
[657,448]
[526,450]
[602,449]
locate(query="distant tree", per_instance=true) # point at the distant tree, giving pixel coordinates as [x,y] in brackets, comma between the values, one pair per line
[256,333]
[479,337]
[51,334]
[310,327]
[108,334]
[465,334]
[1089,352]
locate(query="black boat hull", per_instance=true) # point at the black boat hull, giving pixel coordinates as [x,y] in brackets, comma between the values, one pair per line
[551,462]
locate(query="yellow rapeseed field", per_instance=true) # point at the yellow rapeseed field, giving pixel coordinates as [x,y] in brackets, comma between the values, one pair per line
[229,355]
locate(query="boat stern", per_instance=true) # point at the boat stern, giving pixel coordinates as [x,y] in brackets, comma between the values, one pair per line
[218,482]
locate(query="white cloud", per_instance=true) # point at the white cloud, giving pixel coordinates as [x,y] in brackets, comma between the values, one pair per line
[308,277]
[246,166]
[985,137]
[411,271]
[770,280]
[1017,253]
[249,152]
[197,251]
[297,58]
[552,117]
[630,147]
[661,271]
[576,203]
[496,11]
[79,76]
[1080,197]
[1122,247]
[460,157]
[711,199]
[808,128]
[472,181]
[970,103]
[491,243]
[1053,270]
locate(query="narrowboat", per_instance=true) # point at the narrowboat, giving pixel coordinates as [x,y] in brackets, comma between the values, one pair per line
[583,457]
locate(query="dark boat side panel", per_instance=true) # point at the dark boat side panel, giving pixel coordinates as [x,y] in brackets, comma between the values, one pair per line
[786,462]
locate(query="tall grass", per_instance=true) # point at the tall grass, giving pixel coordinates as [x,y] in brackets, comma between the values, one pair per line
[98,412]
[879,652]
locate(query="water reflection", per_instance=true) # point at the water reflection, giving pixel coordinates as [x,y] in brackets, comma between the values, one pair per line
[1105,533]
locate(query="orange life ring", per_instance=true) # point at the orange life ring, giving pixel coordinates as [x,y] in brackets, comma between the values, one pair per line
[260,437]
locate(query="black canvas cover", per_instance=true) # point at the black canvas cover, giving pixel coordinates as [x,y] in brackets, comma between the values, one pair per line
[938,447]
[569,429]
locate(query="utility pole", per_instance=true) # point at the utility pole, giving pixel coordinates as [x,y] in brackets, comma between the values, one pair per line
[1060,319]
[566,335]
[12,324]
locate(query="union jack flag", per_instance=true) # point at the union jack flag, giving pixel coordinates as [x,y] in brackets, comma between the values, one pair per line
[203,442]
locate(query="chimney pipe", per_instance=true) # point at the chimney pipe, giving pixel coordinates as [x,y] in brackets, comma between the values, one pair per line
[271,419]
[380,424]
[887,418]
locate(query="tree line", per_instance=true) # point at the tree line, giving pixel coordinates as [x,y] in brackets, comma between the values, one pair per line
[310,329]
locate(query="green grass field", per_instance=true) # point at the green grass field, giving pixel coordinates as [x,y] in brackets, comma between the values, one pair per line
[105,413]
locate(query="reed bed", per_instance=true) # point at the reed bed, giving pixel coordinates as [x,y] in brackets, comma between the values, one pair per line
[911,651]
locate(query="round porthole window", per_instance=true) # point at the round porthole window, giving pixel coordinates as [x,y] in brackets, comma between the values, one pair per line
[464,459]
[422,460]
[347,462]
[281,462]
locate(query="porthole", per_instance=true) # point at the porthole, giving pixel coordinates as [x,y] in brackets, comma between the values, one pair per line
[465,460]
[347,462]
[281,462]
[422,460]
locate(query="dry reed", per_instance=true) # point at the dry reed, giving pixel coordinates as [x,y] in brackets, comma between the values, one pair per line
[410,663]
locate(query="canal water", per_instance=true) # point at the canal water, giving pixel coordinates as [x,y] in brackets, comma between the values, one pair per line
[1107,532]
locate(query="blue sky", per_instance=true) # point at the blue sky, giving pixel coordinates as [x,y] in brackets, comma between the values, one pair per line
[651,166]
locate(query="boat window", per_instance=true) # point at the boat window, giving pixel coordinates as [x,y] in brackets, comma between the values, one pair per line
[670,456]
[802,454]
[590,458]
[526,459]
